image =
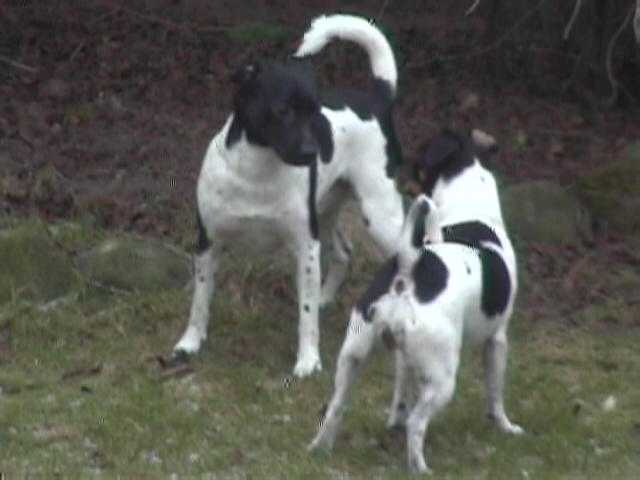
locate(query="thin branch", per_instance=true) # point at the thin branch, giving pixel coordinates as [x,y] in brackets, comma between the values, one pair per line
[610,102]
[636,22]
[502,39]
[381,11]
[19,65]
[472,8]
[76,51]
[153,19]
[574,15]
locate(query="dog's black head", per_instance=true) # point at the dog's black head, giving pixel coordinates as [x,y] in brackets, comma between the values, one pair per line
[447,155]
[276,105]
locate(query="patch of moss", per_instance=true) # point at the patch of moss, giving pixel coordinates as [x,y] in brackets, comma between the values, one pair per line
[542,211]
[612,192]
[33,266]
[79,113]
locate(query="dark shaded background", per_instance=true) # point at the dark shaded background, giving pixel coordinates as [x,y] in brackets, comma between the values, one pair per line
[107,107]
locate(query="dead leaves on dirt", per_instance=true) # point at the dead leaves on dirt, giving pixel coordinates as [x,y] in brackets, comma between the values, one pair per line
[569,279]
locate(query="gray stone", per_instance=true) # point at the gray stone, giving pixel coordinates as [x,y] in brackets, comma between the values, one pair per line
[134,264]
[544,212]
[33,267]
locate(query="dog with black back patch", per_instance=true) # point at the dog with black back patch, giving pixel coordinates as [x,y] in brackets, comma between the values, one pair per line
[452,281]
[284,163]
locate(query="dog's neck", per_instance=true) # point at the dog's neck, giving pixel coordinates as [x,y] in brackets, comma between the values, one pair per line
[470,195]
[248,160]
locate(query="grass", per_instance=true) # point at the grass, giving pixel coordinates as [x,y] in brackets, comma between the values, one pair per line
[84,394]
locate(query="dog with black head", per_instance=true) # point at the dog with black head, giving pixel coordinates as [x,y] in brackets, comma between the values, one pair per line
[452,281]
[282,166]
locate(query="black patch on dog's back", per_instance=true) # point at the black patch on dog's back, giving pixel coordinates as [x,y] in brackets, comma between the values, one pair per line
[430,276]
[496,283]
[445,157]
[376,103]
[472,234]
[379,286]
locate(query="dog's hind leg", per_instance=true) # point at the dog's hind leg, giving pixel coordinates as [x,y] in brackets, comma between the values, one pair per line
[355,349]
[495,362]
[338,266]
[196,332]
[434,392]
[382,210]
[398,410]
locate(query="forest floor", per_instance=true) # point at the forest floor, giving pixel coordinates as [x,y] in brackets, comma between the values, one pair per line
[107,111]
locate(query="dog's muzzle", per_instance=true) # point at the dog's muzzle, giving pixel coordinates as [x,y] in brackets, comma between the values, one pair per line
[305,154]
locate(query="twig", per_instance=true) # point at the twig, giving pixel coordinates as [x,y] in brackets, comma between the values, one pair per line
[19,65]
[381,11]
[500,40]
[76,51]
[636,22]
[574,15]
[610,102]
[472,8]
[99,18]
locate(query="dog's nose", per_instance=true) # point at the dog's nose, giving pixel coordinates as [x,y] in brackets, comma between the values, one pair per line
[309,149]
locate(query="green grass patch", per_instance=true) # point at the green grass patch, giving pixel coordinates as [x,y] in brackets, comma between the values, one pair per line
[83,393]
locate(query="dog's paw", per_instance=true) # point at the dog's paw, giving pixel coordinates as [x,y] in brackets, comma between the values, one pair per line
[513,429]
[307,365]
[319,446]
[397,419]
[396,426]
[325,301]
[506,426]
[417,465]
[190,342]
[177,358]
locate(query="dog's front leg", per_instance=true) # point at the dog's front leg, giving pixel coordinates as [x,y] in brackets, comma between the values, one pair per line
[308,283]
[196,332]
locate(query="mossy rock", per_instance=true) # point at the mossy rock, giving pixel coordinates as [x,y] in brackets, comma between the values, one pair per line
[543,212]
[135,264]
[612,192]
[33,268]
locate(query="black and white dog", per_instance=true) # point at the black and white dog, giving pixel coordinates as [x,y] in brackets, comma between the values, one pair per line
[282,166]
[426,299]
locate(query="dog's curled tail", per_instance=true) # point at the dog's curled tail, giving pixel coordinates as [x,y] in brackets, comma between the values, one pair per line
[354,29]
[421,225]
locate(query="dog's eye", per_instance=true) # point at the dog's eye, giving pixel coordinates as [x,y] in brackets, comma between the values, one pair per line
[282,111]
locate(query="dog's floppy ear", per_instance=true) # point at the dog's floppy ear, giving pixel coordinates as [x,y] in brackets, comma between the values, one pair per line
[440,149]
[483,143]
[246,73]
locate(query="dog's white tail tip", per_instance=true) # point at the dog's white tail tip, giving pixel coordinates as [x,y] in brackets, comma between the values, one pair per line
[355,29]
